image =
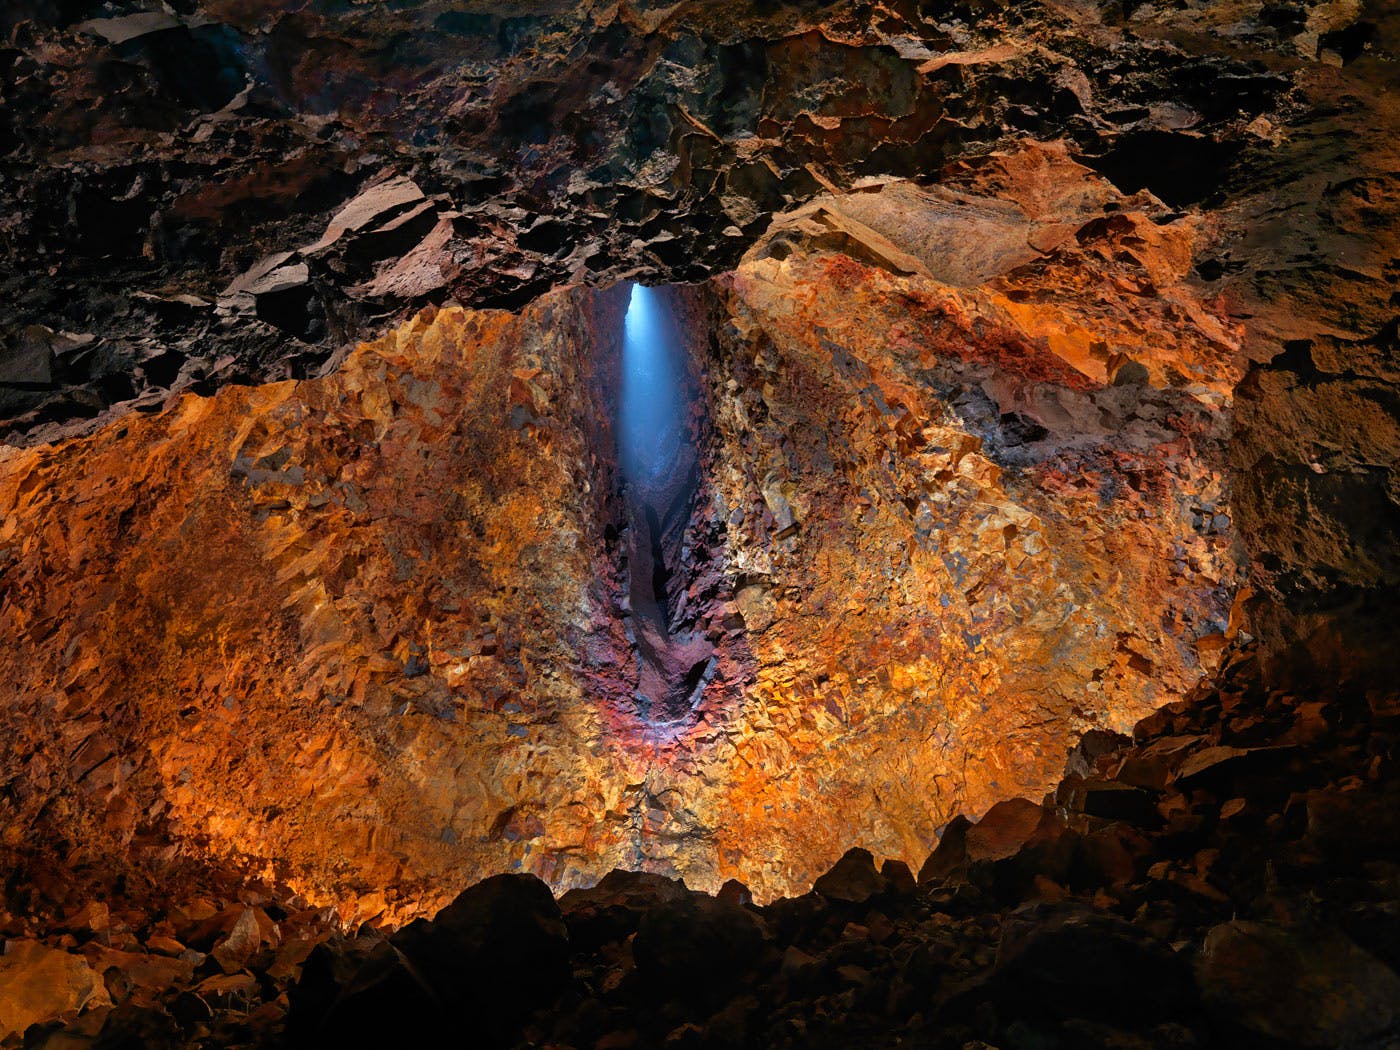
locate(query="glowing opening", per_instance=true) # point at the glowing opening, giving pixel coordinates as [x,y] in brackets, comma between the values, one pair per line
[660,475]
[653,418]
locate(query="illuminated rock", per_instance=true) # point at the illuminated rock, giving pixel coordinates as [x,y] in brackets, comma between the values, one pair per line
[1022,363]
[379,634]
[38,984]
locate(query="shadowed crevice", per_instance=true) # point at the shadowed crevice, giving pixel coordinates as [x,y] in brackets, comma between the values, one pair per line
[660,468]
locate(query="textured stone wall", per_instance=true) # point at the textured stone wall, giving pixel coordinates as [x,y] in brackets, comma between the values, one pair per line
[370,633]
[1024,334]
[230,190]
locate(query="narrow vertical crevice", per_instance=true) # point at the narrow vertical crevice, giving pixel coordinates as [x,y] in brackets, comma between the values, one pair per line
[660,471]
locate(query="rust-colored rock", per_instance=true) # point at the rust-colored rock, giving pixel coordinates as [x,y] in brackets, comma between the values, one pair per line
[373,626]
[1031,362]
[39,983]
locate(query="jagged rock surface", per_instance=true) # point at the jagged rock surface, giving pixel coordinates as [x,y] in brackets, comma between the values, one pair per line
[1261,862]
[1026,332]
[226,191]
[378,623]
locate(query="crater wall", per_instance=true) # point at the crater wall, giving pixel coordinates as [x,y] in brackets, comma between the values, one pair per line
[373,633]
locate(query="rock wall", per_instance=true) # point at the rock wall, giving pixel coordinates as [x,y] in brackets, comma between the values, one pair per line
[1040,353]
[1306,251]
[227,191]
[373,635]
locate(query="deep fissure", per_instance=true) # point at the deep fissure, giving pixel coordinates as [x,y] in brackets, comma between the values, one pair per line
[656,437]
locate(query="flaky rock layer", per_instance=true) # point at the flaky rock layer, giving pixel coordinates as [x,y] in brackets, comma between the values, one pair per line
[371,633]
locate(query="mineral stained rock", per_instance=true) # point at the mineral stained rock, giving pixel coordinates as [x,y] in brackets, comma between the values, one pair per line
[1221,924]
[375,630]
[38,983]
[225,191]
[1034,359]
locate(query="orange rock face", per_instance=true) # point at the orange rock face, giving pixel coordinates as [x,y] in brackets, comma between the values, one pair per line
[371,632]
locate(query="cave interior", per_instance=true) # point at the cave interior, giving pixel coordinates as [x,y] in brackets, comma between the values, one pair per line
[609,524]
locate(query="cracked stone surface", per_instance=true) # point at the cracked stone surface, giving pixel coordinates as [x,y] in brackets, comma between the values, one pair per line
[1041,359]
[929,546]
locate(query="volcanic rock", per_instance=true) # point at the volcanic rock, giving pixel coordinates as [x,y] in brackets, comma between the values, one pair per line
[499,950]
[1302,986]
[39,983]
[1069,962]
[853,880]
[502,942]
[1036,371]
[698,948]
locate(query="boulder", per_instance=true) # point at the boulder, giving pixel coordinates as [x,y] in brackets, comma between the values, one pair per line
[363,995]
[1310,987]
[1072,961]
[502,942]
[633,890]
[1355,822]
[698,949]
[1004,830]
[897,874]
[1219,769]
[27,358]
[329,971]
[229,991]
[1110,800]
[1152,765]
[611,910]
[735,892]
[853,879]
[1094,745]
[999,835]
[39,983]
[949,855]
[140,975]
[250,932]
[497,952]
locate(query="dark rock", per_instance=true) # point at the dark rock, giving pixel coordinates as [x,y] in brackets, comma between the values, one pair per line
[1179,167]
[1151,766]
[897,875]
[611,910]
[1106,857]
[698,949]
[1093,746]
[177,146]
[328,971]
[1299,986]
[950,855]
[136,1026]
[1004,830]
[797,919]
[1068,961]
[1016,847]
[1111,800]
[634,890]
[27,358]
[1355,821]
[853,879]
[1218,768]
[735,892]
[500,949]
[381,997]
[228,991]
[503,941]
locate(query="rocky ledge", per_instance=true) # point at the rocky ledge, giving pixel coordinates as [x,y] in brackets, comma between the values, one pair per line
[1227,876]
